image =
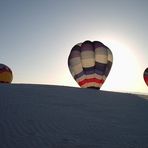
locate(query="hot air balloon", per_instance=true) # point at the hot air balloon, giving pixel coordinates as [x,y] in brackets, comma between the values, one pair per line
[90,63]
[145,76]
[5,74]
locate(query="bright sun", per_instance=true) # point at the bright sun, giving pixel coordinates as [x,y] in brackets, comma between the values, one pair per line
[124,69]
[126,72]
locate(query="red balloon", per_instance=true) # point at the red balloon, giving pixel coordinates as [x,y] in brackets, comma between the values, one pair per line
[145,76]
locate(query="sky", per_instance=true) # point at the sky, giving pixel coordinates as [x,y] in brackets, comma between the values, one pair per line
[36,37]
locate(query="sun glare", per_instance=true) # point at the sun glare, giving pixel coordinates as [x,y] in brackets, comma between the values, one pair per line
[126,74]
[124,70]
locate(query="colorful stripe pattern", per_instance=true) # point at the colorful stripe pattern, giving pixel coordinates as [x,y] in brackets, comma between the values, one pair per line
[145,75]
[5,74]
[90,63]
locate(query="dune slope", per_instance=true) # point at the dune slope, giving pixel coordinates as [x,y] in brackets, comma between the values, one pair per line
[42,116]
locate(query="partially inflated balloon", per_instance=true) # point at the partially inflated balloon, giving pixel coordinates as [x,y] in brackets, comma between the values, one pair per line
[90,63]
[145,76]
[5,74]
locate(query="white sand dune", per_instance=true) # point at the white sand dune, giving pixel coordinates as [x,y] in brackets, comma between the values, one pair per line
[42,116]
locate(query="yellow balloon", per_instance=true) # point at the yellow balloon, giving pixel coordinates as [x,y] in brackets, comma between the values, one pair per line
[6,75]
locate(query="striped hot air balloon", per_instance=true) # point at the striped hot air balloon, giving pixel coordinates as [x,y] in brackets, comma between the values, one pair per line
[145,76]
[5,74]
[90,63]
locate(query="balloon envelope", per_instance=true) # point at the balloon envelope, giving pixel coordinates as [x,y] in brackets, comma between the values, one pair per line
[90,63]
[5,74]
[145,76]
